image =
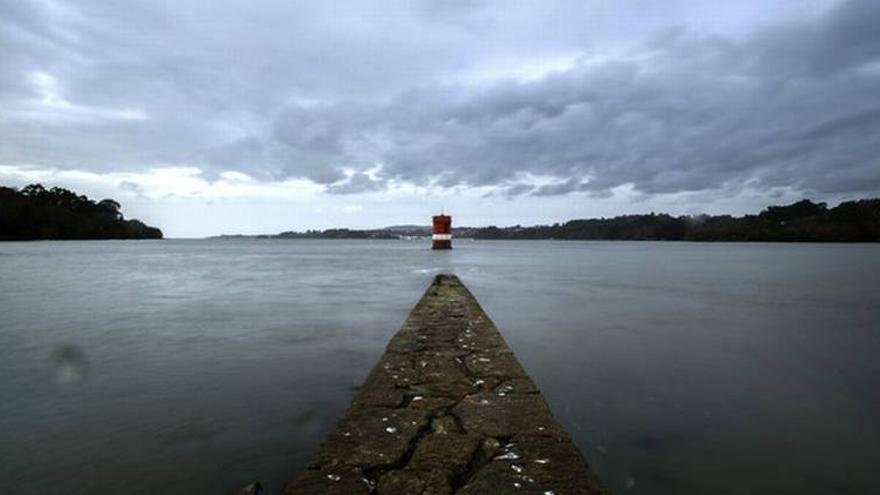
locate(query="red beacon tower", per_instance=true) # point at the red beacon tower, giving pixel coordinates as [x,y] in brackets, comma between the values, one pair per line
[442,232]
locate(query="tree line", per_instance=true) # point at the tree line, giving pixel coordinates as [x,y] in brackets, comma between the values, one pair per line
[803,221]
[35,213]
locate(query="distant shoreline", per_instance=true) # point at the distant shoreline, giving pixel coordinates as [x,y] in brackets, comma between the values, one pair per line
[427,240]
[804,221]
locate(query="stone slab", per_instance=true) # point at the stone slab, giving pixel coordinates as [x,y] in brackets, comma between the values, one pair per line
[448,409]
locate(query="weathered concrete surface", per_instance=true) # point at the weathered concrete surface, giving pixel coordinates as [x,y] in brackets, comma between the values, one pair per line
[447,409]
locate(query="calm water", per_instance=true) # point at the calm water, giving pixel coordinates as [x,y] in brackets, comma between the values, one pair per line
[195,366]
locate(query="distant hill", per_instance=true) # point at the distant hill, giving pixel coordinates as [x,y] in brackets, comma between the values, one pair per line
[804,221]
[36,213]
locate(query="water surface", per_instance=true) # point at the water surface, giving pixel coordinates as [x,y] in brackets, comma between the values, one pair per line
[195,366]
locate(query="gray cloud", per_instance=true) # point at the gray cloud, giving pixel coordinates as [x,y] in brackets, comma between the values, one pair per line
[357,183]
[297,90]
[566,187]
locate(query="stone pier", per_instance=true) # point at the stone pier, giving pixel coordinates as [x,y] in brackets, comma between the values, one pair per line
[447,409]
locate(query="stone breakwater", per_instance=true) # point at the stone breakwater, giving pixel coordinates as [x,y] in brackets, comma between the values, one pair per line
[447,409]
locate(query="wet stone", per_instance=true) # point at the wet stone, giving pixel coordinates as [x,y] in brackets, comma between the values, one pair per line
[452,389]
[415,482]
[447,409]
[488,448]
[538,465]
[382,397]
[371,438]
[482,337]
[433,369]
[495,416]
[517,386]
[431,403]
[496,364]
[403,342]
[445,424]
[486,383]
[449,451]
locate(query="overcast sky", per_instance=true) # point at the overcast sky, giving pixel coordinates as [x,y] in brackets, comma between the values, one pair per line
[208,117]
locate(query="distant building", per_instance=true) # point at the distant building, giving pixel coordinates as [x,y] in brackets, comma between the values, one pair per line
[442,232]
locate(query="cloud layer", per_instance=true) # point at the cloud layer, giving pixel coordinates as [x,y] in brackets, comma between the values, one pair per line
[519,98]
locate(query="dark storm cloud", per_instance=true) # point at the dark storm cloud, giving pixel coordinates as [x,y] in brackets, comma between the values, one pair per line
[794,106]
[289,90]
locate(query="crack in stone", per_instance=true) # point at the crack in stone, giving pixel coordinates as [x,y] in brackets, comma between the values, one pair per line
[373,475]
